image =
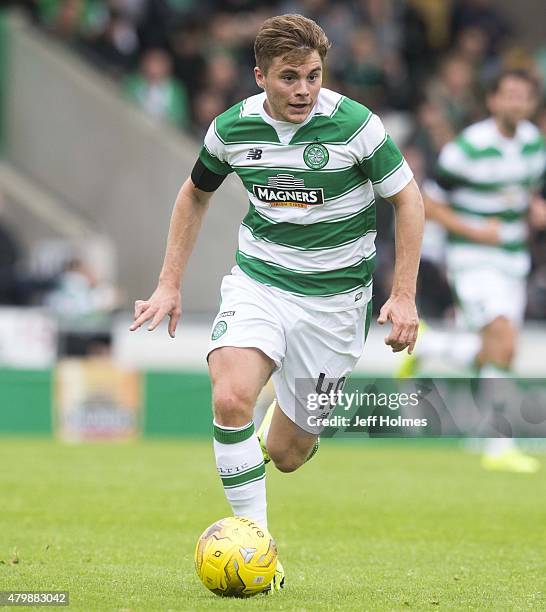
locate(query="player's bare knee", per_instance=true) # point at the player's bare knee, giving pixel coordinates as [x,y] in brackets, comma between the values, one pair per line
[496,334]
[287,458]
[500,342]
[287,463]
[232,407]
[501,326]
[506,352]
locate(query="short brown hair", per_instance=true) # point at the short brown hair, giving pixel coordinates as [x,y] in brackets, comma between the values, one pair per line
[515,73]
[291,37]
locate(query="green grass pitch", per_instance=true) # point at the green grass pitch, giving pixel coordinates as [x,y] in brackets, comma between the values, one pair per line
[372,525]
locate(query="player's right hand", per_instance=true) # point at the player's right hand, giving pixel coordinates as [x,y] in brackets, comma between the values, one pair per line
[165,300]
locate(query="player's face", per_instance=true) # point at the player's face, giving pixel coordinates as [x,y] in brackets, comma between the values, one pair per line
[291,90]
[514,101]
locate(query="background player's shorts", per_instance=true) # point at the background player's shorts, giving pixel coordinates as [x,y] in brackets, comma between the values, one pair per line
[303,343]
[485,294]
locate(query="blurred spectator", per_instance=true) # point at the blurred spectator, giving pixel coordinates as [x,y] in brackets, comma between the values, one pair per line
[432,131]
[207,105]
[67,20]
[383,49]
[74,19]
[383,17]
[435,18]
[155,90]
[363,74]
[482,14]
[83,306]
[224,34]
[222,78]
[133,10]
[415,50]
[163,17]
[186,45]
[471,45]
[116,47]
[387,20]
[453,91]
[79,293]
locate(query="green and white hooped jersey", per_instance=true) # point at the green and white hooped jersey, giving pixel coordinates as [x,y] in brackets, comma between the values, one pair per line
[310,227]
[483,175]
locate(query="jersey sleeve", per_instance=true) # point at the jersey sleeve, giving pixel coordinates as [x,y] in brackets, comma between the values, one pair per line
[213,153]
[450,168]
[379,159]
[431,188]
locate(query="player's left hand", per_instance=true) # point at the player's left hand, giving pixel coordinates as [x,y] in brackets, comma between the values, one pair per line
[402,313]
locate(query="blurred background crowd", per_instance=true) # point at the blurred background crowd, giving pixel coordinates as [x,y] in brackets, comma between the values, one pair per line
[423,65]
[188,60]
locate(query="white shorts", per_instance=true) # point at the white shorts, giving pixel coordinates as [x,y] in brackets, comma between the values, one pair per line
[484,294]
[304,344]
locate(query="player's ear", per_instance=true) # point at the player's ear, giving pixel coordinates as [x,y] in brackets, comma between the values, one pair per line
[259,76]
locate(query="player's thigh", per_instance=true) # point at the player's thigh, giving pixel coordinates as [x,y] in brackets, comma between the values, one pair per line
[499,339]
[240,368]
[237,376]
[322,350]
[484,295]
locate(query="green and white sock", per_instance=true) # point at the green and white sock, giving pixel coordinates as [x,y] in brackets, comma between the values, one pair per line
[241,467]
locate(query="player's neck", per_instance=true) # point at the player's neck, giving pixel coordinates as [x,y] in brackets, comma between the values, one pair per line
[508,130]
[271,113]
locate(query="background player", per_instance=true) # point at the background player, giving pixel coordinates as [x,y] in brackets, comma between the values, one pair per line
[485,194]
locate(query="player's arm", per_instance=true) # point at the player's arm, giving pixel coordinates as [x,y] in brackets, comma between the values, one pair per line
[188,212]
[439,210]
[400,308]
[450,174]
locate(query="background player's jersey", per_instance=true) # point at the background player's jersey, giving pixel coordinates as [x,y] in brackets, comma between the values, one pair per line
[310,227]
[482,174]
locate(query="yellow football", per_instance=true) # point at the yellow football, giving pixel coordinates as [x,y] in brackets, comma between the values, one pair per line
[236,557]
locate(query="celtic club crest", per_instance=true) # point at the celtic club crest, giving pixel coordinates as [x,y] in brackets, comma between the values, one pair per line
[316,156]
[219,330]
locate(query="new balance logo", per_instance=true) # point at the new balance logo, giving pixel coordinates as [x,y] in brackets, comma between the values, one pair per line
[254,154]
